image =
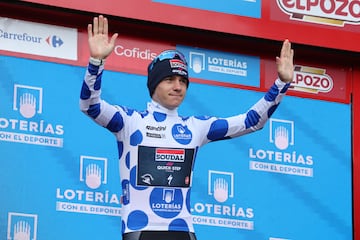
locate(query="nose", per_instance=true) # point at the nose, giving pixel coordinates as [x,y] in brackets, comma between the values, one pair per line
[177,84]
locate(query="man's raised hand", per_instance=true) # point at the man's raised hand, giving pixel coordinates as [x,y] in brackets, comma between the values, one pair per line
[99,44]
[284,63]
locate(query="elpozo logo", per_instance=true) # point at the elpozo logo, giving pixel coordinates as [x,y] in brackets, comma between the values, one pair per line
[94,198]
[222,211]
[29,127]
[328,12]
[311,80]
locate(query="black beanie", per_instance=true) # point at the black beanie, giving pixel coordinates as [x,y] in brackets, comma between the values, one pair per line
[168,67]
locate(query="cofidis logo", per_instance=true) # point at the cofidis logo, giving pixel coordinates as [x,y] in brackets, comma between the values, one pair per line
[94,198]
[328,12]
[222,210]
[28,127]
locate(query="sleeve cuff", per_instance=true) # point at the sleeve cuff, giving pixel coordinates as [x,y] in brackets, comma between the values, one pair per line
[96,62]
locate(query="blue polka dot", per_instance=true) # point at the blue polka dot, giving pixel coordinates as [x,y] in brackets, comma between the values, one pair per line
[202,117]
[116,123]
[159,117]
[272,93]
[94,110]
[127,160]
[85,92]
[137,220]
[133,180]
[285,88]
[166,202]
[128,111]
[252,118]
[272,110]
[123,226]
[218,130]
[178,224]
[120,146]
[97,84]
[136,138]
[187,200]
[144,113]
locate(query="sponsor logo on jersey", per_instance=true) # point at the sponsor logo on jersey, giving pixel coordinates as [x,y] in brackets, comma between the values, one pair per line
[154,131]
[181,134]
[170,155]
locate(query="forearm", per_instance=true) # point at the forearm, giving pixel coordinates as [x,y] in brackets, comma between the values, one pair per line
[256,117]
[91,88]
[90,98]
[266,106]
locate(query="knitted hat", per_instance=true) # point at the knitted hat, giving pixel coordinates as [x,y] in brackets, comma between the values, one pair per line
[168,63]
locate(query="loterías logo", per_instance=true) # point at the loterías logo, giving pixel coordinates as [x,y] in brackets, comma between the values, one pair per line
[328,12]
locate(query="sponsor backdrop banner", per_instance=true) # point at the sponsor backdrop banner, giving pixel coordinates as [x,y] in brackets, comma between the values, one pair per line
[59,176]
[40,39]
[302,21]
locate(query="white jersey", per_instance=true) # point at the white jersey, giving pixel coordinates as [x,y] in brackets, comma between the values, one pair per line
[157,150]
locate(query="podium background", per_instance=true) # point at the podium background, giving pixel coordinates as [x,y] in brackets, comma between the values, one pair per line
[43,185]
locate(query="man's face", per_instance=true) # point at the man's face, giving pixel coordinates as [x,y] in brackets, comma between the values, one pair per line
[170,92]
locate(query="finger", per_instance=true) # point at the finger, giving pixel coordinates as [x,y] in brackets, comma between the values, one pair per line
[286,49]
[89,29]
[106,26]
[96,25]
[101,24]
[113,38]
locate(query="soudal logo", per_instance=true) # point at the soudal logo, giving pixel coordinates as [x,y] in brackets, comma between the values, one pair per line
[175,63]
[311,80]
[172,155]
[54,41]
[329,12]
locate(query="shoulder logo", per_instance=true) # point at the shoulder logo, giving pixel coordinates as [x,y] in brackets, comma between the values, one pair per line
[181,134]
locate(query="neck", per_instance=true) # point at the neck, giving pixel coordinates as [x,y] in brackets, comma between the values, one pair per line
[157,107]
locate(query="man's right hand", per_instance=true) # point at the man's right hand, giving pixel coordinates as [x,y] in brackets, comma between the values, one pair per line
[99,45]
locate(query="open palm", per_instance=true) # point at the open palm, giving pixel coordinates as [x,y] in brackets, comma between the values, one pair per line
[99,44]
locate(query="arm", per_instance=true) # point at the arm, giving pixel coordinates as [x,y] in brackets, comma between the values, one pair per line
[90,101]
[256,117]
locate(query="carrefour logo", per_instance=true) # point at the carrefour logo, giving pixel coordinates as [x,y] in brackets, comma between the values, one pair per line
[38,39]
[54,41]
